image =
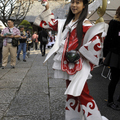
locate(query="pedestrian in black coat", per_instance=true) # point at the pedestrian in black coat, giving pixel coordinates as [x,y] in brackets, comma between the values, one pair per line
[111,54]
[42,34]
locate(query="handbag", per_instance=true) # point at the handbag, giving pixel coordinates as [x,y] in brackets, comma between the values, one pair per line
[29,40]
[72,56]
[44,40]
[14,41]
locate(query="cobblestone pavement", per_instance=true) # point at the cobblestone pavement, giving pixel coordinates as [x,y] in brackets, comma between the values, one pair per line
[29,92]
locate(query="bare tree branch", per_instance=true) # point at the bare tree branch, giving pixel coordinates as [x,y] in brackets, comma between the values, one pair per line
[15,9]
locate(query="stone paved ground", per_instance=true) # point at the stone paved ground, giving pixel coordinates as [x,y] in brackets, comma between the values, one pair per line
[29,92]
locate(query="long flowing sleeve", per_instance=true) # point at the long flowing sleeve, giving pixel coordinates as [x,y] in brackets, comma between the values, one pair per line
[91,48]
[46,20]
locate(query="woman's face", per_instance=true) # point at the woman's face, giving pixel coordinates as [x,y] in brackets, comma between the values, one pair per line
[77,6]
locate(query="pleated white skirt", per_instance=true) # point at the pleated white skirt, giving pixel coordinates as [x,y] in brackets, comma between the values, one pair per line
[58,73]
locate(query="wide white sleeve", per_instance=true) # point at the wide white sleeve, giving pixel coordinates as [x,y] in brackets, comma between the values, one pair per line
[92,50]
[46,20]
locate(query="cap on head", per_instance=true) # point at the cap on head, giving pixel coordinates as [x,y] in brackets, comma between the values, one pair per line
[21,26]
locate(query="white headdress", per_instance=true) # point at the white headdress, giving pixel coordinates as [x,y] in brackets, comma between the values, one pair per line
[94,5]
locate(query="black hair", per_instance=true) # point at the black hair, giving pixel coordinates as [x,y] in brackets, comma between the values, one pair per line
[82,16]
[11,20]
[118,12]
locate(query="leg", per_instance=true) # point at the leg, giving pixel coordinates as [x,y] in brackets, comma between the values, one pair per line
[13,51]
[82,107]
[28,47]
[41,47]
[73,109]
[88,105]
[24,51]
[5,55]
[112,85]
[19,50]
[35,46]
[28,51]
[44,48]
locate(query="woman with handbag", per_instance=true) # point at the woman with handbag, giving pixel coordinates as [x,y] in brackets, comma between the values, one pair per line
[77,50]
[111,54]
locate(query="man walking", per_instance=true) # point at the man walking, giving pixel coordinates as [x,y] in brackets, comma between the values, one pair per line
[43,35]
[8,33]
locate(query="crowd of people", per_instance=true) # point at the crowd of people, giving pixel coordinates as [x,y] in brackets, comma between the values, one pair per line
[25,41]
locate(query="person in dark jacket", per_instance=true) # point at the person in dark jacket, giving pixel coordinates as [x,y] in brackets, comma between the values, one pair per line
[42,34]
[111,56]
[22,45]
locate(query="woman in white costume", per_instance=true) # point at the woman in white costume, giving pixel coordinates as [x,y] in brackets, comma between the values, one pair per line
[75,33]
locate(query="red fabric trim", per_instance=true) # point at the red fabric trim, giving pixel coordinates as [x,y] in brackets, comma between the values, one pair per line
[83,99]
[73,43]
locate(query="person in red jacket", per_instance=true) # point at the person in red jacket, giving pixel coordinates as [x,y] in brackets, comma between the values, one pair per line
[35,40]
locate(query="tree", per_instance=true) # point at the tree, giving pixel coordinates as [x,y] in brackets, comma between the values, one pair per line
[14,9]
[26,24]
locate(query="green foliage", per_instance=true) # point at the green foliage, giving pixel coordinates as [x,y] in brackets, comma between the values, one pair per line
[26,24]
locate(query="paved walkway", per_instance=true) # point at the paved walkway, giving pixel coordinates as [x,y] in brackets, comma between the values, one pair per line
[29,92]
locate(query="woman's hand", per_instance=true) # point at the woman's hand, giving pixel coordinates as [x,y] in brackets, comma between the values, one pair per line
[103,59]
[7,36]
[2,35]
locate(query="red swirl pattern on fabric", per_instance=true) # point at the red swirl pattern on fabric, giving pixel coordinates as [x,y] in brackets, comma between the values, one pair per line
[52,25]
[43,23]
[83,99]
[96,47]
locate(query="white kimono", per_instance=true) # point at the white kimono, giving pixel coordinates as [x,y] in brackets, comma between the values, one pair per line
[90,50]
